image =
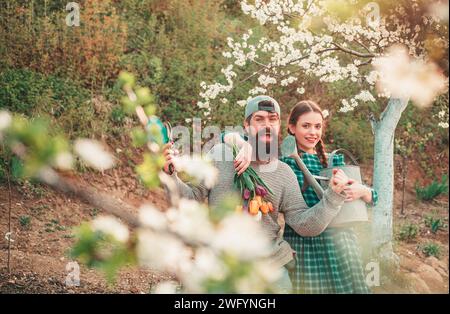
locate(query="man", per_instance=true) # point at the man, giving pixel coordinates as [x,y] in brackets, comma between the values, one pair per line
[262,124]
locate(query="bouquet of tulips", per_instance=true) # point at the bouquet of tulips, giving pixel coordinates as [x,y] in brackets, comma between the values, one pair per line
[253,191]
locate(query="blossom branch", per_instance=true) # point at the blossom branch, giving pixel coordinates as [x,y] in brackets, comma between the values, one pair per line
[353,52]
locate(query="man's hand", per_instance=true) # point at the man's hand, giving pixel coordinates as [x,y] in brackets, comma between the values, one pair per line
[169,153]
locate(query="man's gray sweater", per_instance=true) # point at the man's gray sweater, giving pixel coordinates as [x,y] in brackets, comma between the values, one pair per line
[286,199]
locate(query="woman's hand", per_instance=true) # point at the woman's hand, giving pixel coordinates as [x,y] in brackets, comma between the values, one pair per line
[243,158]
[169,153]
[355,190]
[338,181]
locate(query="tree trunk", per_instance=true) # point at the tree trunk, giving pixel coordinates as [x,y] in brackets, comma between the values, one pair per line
[383,181]
[404,174]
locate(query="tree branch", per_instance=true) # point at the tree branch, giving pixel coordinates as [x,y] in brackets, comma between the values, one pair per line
[364,46]
[353,52]
[270,67]
[105,202]
[90,195]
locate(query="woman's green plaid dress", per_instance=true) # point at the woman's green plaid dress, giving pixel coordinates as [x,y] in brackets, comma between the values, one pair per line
[330,262]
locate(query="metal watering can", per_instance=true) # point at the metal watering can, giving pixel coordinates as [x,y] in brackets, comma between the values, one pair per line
[351,212]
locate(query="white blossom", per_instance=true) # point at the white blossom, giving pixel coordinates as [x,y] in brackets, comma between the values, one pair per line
[287,81]
[372,77]
[301,90]
[197,167]
[63,161]
[242,103]
[262,275]
[151,217]
[191,220]
[5,120]
[242,236]
[206,265]
[439,10]
[257,91]
[265,80]
[111,226]
[93,153]
[227,54]
[404,77]
[166,287]
[292,49]
[365,96]
[162,252]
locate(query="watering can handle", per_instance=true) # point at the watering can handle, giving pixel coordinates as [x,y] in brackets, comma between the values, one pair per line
[346,152]
[308,176]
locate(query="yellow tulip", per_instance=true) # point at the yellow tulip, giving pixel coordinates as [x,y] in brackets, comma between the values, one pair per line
[253,207]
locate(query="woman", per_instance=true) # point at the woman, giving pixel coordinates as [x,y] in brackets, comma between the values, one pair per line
[330,262]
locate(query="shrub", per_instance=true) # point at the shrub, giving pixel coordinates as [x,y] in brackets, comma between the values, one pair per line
[408,232]
[434,223]
[25,221]
[65,102]
[432,249]
[432,190]
[337,135]
[38,39]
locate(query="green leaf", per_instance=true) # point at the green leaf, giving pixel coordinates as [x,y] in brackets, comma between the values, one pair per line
[126,80]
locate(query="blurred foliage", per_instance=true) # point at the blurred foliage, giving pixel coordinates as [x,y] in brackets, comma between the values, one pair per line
[141,96]
[98,250]
[36,146]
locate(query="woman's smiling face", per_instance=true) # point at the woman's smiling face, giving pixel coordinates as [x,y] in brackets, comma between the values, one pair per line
[308,131]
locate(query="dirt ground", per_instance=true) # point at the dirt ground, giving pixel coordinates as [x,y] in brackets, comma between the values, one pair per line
[39,253]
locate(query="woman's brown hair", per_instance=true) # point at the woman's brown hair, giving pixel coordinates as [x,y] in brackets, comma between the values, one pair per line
[300,109]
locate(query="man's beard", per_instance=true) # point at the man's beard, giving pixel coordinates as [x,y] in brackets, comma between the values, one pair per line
[262,150]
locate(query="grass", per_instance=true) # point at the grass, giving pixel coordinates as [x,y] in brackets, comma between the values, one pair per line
[432,249]
[25,221]
[433,190]
[53,226]
[434,223]
[408,232]
[94,212]
[39,209]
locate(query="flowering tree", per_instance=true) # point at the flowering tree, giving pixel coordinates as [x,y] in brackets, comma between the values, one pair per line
[218,250]
[388,56]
